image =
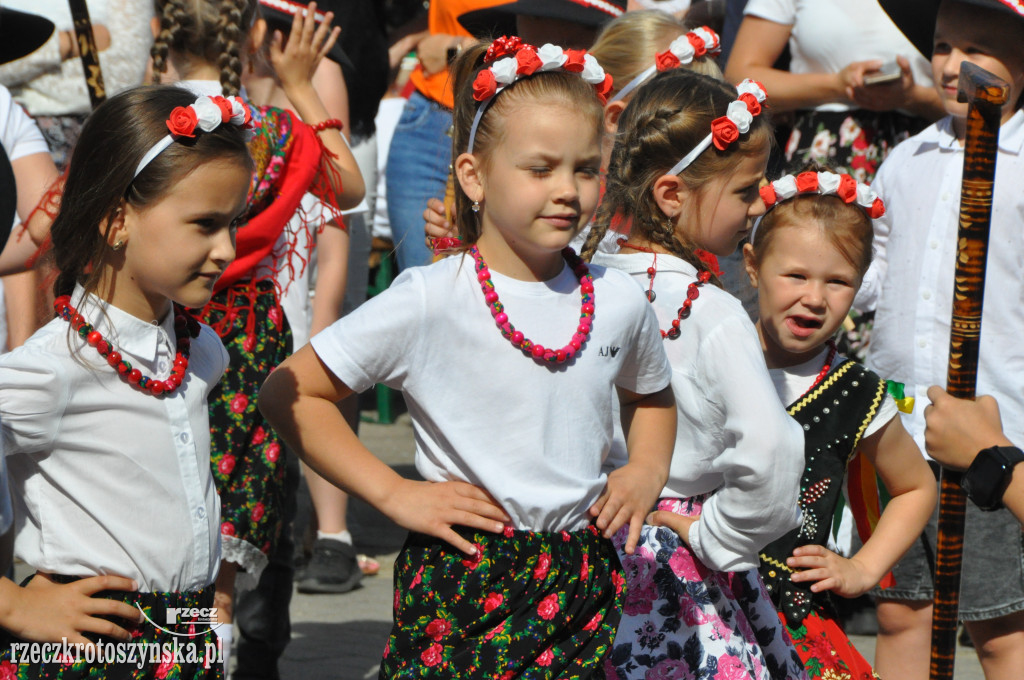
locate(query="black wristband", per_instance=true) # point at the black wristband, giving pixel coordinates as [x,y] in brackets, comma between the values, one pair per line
[986,480]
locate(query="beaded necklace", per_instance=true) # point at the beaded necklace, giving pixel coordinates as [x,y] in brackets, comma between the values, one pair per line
[518,340]
[185,328]
[824,369]
[692,290]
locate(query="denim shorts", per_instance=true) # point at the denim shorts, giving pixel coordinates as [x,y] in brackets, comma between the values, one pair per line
[992,573]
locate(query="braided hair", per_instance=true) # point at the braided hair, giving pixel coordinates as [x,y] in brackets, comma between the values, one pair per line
[665,120]
[211,31]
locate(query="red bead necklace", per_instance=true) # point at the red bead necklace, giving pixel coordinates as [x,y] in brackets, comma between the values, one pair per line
[185,328]
[692,290]
[824,369]
[518,340]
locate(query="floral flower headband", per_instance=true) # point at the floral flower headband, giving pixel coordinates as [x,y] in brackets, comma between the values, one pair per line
[842,186]
[727,129]
[207,114]
[511,59]
[683,50]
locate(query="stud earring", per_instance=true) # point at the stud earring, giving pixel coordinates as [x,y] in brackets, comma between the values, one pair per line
[476,206]
[117,246]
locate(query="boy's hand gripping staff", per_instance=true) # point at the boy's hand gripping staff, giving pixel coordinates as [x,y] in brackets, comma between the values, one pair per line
[985,95]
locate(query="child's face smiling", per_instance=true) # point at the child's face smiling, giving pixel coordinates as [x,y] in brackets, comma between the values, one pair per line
[986,38]
[805,288]
[540,187]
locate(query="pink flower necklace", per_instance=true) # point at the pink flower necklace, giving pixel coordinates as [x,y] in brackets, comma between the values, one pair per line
[185,328]
[518,340]
[692,290]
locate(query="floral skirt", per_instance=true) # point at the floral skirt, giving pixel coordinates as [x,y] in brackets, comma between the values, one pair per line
[246,454]
[826,651]
[530,605]
[166,645]
[683,621]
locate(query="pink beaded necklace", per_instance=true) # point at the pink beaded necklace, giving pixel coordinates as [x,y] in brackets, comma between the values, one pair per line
[518,340]
[185,328]
[692,290]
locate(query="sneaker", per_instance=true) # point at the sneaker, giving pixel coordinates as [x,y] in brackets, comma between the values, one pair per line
[332,568]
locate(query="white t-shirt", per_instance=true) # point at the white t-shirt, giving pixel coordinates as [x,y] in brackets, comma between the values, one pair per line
[534,435]
[827,35]
[106,479]
[793,382]
[733,436]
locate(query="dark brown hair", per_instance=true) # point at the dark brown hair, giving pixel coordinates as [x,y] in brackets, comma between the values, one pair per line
[664,121]
[551,87]
[100,176]
[846,225]
[214,31]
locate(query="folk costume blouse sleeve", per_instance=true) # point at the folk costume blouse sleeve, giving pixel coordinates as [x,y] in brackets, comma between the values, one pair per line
[762,456]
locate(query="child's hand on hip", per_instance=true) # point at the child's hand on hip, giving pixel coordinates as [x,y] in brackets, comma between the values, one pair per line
[829,571]
[628,497]
[45,611]
[678,523]
[433,508]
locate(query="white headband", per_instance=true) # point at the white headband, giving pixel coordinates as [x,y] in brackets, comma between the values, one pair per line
[207,114]
[683,50]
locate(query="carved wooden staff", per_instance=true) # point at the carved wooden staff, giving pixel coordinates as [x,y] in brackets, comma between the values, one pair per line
[87,52]
[985,95]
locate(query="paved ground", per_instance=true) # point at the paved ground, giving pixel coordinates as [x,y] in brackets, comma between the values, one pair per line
[341,637]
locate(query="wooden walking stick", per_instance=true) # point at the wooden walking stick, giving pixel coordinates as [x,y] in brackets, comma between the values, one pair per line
[985,95]
[87,52]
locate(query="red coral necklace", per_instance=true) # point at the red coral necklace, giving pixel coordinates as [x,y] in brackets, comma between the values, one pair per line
[692,290]
[185,328]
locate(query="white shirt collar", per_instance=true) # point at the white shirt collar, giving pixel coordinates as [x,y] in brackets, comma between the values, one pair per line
[1011,135]
[128,333]
[636,263]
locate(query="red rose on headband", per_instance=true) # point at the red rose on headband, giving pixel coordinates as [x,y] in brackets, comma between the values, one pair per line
[724,132]
[502,47]
[666,61]
[484,86]
[807,181]
[698,45]
[753,106]
[604,88]
[574,61]
[877,209]
[182,122]
[768,195]
[225,108]
[847,188]
[527,61]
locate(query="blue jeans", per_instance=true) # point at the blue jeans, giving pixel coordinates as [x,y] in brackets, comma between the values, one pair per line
[417,169]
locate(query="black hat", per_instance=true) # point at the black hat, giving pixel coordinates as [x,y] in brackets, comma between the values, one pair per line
[281,13]
[916,18]
[22,33]
[501,19]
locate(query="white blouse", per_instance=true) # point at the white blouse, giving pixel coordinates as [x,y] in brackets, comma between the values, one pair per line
[106,479]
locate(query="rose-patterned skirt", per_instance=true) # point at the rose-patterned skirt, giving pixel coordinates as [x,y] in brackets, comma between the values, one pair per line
[166,648]
[530,605]
[683,621]
[826,651]
[246,454]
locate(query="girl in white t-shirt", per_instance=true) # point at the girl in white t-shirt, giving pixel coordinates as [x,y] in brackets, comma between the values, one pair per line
[684,175]
[104,409]
[807,258]
[508,570]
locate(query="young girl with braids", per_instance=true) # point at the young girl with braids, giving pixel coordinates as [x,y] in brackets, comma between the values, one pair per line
[684,174]
[508,570]
[806,259]
[206,41]
[104,409]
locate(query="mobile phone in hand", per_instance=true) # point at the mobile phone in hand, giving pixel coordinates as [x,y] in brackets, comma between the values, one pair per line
[889,72]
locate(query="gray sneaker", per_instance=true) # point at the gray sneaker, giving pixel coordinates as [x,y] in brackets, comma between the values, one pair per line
[332,568]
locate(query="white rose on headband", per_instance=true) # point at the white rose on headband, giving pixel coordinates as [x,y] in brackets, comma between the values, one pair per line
[551,57]
[208,114]
[865,196]
[748,86]
[593,73]
[504,70]
[828,182]
[785,187]
[683,50]
[738,113]
[237,111]
[706,36]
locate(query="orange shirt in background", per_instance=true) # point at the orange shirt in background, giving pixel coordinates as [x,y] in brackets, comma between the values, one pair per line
[443,18]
